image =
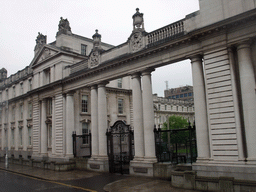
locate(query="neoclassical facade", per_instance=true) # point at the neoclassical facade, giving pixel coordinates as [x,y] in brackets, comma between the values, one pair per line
[219,39]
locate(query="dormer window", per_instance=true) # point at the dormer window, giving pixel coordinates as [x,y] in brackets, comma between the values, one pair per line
[83,49]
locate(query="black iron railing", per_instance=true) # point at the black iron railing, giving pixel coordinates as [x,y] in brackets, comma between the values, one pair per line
[176,145]
[82,145]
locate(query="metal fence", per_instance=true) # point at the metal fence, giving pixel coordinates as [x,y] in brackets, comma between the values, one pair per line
[82,145]
[176,145]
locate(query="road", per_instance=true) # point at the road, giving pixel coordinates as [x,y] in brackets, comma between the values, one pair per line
[13,182]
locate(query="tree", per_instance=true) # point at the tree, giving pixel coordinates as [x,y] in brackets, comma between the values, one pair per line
[175,122]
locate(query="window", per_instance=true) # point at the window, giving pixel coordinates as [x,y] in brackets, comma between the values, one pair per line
[189,94]
[12,137]
[120,106]
[0,116]
[185,94]
[30,84]
[83,49]
[13,113]
[119,83]
[165,107]
[182,108]
[84,103]
[49,134]
[159,107]
[85,131]
[49,107]
[6,115]
[177,108]
[14,92]
[29,110]
[173,97]
[0,97]
[20,135]
[21,88]
[29,136]
[21,111]
[171,108]
[47,76]
[177,96]
[6,94]
[181,95]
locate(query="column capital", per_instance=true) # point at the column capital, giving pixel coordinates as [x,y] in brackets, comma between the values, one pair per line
[136,75]
[70,93]
[147,72]
[93,87]
[196,58]
[244,44]
[102,84]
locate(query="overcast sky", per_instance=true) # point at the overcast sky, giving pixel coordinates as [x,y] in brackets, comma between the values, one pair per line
[21,20]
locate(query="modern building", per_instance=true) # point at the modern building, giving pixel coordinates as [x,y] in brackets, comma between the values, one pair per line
[181,93]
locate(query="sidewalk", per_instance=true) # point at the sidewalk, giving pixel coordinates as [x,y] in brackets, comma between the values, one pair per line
[129,183]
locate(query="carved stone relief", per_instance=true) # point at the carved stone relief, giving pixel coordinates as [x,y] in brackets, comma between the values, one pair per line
[136,42]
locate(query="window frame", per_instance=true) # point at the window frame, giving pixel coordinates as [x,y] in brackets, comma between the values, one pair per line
[84,103]
[120,106]
[83,49]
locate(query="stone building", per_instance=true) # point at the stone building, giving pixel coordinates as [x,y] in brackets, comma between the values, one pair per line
[35,112]
[219,39]
[164,107]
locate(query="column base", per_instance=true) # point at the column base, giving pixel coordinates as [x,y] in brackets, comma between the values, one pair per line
[143,167]
[98,163]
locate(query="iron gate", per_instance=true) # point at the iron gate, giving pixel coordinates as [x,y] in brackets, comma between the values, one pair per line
[120,147]
[182,147]
[82,145]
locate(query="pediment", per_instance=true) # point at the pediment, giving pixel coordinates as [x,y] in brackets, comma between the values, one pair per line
[44,54]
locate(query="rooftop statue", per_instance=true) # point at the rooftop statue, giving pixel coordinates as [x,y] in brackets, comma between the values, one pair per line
[40,40]
[64,27]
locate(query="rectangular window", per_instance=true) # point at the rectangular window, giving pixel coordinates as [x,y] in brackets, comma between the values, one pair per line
[21,111]
[165,107]
[159,107]
[119,83]
[84,103]
[173,97]
[0,97]
[21,88]
[177,96]
[13,113]
[189,94]
[30,84]
[6,94]
[20,134]
[177,108]
[83,49]
[29,136]
[12,137]
[29,110]
[181,95]
[49,107]
[49,133]
[6,115]
[85,131]
[120,106]
[0,116]
[185,94]
[14,92]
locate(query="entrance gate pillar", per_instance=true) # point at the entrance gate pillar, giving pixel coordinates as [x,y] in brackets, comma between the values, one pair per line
[99,159]
[202,134]
[148,117]
[70,123]
[137,117]
[94,121]
[247,81]
[43,129]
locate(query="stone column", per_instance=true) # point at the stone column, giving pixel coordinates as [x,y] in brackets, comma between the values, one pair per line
[202,133]
[241,154]
[94,121]
[148,116]
[70,123]
[43,129]
[102,119]
[137,117]
[53,127]
[247,81]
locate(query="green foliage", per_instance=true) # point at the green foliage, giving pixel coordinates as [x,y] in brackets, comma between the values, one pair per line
[176,122]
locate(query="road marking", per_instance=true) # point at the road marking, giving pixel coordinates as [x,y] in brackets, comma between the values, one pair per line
[49,181]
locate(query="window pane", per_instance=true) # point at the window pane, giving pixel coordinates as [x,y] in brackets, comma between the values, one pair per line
[85,131]
[84,103]
[120,106]
[83,49]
